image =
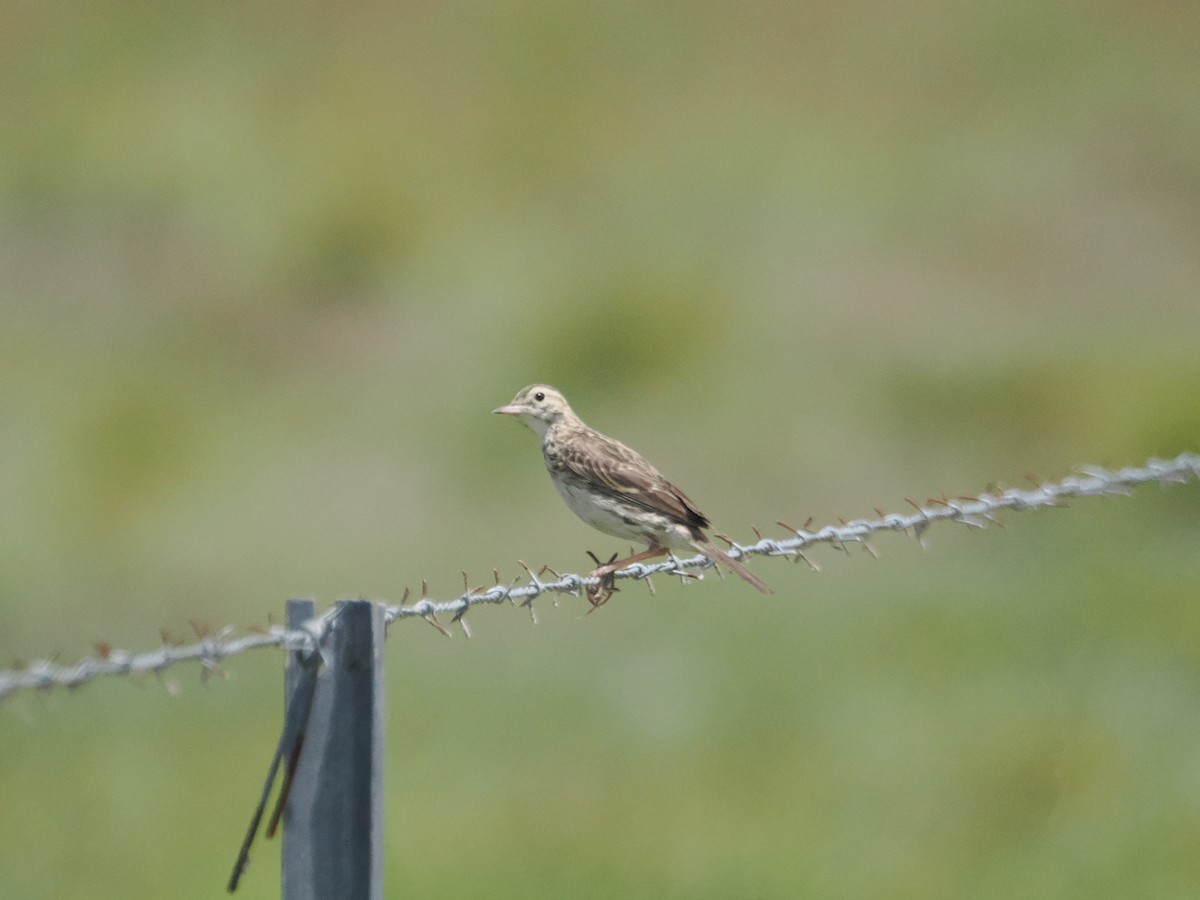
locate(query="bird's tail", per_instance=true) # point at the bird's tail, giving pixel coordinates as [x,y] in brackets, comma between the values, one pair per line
[716,554]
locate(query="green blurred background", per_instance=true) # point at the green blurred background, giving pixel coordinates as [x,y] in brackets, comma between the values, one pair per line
[265,270]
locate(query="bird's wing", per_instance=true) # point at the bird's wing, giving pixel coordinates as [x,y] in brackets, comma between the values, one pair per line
[623,472]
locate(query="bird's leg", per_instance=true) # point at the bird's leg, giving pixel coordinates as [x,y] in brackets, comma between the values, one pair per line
[599,593]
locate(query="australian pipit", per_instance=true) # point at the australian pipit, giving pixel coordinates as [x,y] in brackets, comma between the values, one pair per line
[613,489]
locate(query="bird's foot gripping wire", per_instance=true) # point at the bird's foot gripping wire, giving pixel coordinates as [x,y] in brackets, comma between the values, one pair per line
[599,593]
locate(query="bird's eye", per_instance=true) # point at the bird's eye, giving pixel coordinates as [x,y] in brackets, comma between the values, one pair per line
[539,396]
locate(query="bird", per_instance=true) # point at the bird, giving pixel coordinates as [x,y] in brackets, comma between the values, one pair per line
[614,489]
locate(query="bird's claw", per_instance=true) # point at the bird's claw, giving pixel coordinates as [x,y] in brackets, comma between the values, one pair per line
[599,593]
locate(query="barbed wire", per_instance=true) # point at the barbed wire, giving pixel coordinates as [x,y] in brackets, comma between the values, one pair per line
[973,511]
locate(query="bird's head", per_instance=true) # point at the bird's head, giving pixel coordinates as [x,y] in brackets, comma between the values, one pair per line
[538,406]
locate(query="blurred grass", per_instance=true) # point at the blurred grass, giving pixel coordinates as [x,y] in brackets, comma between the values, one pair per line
[263,272]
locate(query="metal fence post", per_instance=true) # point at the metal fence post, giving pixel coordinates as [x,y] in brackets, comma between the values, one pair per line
[333,823]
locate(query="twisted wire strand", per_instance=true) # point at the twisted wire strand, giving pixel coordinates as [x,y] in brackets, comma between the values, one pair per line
[976,512]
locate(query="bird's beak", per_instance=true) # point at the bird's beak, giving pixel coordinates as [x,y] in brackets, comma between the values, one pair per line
[511,410]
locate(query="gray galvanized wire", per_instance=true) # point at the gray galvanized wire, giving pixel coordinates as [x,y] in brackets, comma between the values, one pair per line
[975,512]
